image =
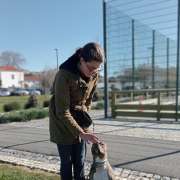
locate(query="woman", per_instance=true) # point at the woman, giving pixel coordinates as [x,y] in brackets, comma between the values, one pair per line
[72,91]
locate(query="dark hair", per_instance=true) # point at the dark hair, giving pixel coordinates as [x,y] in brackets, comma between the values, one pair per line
[91,51]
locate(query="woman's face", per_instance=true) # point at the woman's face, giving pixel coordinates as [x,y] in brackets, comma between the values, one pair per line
[89,68]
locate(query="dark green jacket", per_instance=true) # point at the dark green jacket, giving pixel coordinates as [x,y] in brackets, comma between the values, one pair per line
[69,91]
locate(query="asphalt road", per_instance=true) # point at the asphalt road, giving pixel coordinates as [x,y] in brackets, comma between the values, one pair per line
[141,154]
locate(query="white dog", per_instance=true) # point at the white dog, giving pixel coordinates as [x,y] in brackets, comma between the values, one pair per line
[100,168]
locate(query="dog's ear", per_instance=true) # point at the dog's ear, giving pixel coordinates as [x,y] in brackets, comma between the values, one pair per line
[103,146]
[99,150]
[95,149]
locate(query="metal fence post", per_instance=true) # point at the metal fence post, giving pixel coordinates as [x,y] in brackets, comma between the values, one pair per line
[158,103]
[113,104]
[106,99]
[153,59]
[177,66]
[167,64]
[133,59]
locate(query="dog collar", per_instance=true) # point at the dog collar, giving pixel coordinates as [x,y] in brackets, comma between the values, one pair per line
[100,162]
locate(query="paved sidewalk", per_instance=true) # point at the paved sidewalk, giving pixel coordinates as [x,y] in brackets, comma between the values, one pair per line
[138,145]
[154,130]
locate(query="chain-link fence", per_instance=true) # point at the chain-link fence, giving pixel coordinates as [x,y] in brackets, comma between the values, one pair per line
[141,44]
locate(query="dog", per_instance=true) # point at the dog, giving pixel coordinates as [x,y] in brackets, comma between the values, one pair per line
[100,168]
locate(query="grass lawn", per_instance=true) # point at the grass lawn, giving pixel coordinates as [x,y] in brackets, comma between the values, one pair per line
[10,172]
[22,100]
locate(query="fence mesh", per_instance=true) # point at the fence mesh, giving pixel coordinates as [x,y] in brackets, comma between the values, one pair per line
[142,43]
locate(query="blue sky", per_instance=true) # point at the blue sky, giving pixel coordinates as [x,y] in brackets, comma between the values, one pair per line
[34,28]
[158,15]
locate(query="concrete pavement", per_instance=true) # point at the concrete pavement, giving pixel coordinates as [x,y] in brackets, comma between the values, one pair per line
[142,146]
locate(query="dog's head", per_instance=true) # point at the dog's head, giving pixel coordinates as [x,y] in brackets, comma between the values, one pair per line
[99,150]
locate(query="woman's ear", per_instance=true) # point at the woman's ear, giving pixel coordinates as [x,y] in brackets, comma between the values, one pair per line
[81,59]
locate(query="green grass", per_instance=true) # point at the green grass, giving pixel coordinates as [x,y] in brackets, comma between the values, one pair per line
[10,172]
[21,100]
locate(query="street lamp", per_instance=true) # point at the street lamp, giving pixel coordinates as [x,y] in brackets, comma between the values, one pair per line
[57,57]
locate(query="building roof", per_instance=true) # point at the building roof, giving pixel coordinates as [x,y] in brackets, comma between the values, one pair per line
[8,68]
[31,77]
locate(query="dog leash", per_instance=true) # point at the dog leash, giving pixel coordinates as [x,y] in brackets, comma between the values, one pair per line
[93,127]
[87,176]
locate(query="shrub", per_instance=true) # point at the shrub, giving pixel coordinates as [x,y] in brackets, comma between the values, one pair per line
[46,103]
[24,115]
[35,114]
[11,117]
[99,105]
[11,106]
[95,96]
[32,102]
[98,96]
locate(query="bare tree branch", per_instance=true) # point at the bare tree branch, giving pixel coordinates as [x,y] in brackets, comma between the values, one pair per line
[12,59]
[47,78]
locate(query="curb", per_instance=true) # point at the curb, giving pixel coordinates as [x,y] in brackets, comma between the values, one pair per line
[121,174]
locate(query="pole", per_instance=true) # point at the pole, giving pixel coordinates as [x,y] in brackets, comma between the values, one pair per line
[167,64]
[133,64]
[177,66]
[133,58]
[57,58]
[153,60]
[105,63]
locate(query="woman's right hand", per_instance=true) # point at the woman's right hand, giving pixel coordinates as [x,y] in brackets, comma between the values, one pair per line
[89,137]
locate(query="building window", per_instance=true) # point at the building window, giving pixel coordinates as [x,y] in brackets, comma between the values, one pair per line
[12,76]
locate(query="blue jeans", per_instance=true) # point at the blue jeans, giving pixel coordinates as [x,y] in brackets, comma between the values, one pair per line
[72,156]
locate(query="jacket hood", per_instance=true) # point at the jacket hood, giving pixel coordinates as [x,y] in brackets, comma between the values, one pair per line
[71,64]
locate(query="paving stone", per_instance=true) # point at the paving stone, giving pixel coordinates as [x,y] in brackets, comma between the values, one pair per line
[157,177]
[166,178]
[132,177]
[145,178]
[124,174]
[142,174]
[135,173]
[149,175]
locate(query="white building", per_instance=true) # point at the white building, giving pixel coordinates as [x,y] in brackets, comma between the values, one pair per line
[10,76]
[32,80]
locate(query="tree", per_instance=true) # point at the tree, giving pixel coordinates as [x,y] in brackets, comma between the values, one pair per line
[10,58]
[46,79]
[144,74]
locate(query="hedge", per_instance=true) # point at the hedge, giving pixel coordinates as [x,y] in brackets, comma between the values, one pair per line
[99,105]
[24,115]
[11,106]
[46,103]
[32,102]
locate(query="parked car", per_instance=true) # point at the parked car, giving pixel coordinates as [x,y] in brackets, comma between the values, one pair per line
[4,92]
[34,92]
[19,92]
